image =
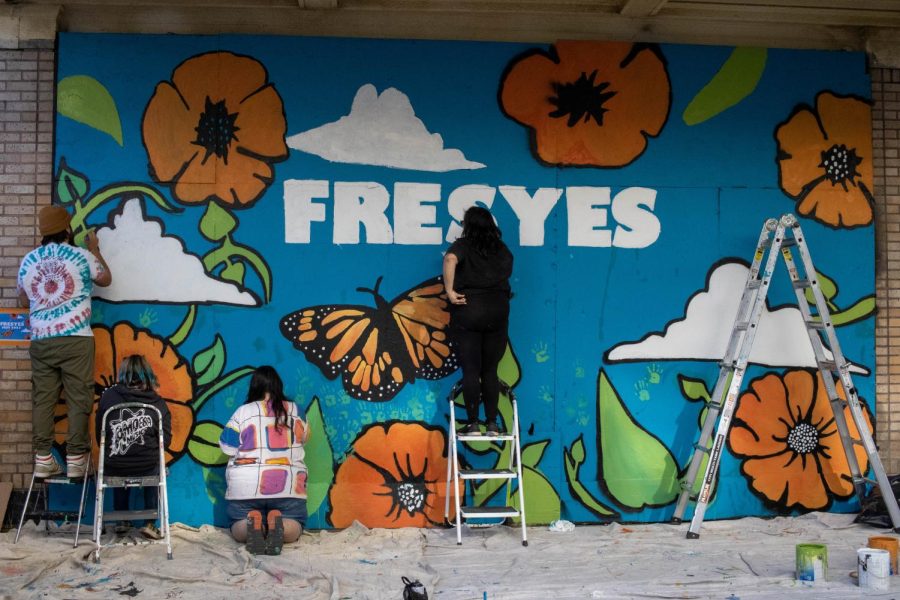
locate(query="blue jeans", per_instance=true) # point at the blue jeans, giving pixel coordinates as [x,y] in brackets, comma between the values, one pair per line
[291,508]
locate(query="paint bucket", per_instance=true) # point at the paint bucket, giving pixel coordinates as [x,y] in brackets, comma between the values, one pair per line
[812,562]
[874,568]
[886,542]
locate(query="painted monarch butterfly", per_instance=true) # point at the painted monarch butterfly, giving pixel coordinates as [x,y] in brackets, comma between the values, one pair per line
[378,350]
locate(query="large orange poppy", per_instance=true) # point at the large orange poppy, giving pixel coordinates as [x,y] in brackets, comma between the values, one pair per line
[825,160]
[175,382]
[588,103]
[215,130]
[395,476]
[784,430]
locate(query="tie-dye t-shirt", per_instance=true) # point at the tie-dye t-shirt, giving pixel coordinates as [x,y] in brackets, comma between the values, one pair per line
[265,461]
[58,280]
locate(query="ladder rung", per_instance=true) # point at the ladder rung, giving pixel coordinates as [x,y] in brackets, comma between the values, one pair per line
[815,325]
[480,437]
[487,474]
[788,242]
[742,326]
[488,511]
[60,479]
[754,284]
[801,284]
[53,515]
[727,364]
[828,364]
[701,448]
[857,480]
[130,515]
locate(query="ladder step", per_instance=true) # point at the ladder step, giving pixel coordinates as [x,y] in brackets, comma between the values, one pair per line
[742,326]
[487,474]
[475,512]
[801,284]
[819,325]
[754,284]
[858,480]
[828,364]
[480,437]
[788,242]
[130,515]
[60,479]
[53,515]
[118,482]
[702,448]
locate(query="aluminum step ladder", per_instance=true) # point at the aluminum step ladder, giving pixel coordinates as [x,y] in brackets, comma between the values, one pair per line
[45,514]
[512,474]
[778,236]
[105,482]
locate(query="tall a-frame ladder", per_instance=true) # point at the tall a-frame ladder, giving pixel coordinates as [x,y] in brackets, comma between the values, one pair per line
[778,237]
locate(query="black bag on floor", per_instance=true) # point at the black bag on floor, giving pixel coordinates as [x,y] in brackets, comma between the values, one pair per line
[873,511]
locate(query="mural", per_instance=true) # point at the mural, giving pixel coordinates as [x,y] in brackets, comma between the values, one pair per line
[267,200]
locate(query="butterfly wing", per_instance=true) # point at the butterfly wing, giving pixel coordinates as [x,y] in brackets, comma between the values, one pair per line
[346,340]
[422,318]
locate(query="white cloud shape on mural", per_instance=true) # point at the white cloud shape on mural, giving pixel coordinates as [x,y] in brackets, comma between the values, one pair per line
[382,130]
[781,338]
[148,266]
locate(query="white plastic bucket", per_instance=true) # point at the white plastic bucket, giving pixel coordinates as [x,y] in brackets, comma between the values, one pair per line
[874,568]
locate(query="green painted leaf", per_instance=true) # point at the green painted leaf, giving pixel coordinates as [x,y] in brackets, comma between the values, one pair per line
[735,81]
[85,100]
[233,272]
[209,362]
[71,186]
[203,444]
[533,452]
[863,309]
[693,389]
[542,504]
[508,369]
[216,222]
[636,468]
[573,459]
[215,484]
[318,457]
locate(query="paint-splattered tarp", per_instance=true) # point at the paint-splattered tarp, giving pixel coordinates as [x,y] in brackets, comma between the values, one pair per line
[739,559]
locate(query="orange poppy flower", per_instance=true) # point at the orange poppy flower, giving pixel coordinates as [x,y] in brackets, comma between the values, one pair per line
[784,430]
[396,476]
[215,130]
[172,373]
[588,103]
[825,160]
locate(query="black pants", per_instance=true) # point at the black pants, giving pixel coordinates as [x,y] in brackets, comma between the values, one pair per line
[479,332]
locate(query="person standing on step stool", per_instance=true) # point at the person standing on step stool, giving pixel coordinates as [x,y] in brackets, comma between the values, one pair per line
[477,268]
[132,434]
[55,282]
[266,475]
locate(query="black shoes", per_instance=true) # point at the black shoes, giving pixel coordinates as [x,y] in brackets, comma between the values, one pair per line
[492,429]
[471,429]
[413,590]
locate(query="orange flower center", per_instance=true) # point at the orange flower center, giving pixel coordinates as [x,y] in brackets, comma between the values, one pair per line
[840,164]
[803,439]
[582,98]
[216,129]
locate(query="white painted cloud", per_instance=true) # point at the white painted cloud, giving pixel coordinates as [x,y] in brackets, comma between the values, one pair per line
[382,130]
[148,266]
[781,339]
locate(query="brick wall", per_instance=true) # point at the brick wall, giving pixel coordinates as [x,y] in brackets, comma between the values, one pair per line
[886,138]
[26,155]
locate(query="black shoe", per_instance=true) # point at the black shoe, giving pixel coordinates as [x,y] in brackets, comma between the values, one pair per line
[492,429]
[256,541]
[275,537]
[413,590]
[471,429]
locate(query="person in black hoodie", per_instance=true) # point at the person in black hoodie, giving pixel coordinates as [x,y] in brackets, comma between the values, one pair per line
[132,435]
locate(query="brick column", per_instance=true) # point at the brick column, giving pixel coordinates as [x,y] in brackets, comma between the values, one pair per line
[886,142]
[26,157]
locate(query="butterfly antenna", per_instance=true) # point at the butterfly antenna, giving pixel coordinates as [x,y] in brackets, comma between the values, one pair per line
[375,291]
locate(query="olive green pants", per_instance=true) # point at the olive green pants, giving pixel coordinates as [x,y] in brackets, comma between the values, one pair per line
[62,363]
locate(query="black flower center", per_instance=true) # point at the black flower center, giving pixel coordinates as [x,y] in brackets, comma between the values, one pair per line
[216,129]
[840,164]
[803,439]
[580,98]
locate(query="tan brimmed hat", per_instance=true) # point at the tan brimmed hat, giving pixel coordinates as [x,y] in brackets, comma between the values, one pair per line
[53,219]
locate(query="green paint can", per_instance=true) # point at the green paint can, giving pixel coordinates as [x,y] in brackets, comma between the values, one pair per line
[812,562]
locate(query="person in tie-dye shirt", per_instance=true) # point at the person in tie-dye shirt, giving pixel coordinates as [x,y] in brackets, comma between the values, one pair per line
[55,283]
[266,475]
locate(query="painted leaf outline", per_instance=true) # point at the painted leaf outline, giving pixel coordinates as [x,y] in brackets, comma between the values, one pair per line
[209,362]
[203,444]
[693,389]
[71,186]
[635,467]
[85,100]
[216,222]
[318,457]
